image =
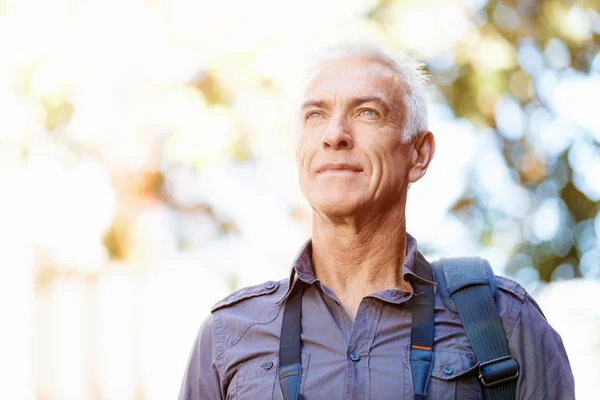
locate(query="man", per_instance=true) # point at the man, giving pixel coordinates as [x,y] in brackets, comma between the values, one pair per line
[363,140]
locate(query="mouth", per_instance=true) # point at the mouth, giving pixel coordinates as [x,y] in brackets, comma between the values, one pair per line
[339,169]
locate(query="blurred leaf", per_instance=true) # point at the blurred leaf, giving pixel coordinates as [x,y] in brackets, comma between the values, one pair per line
[57,114]
[212,90]
[580,206]
[116,241]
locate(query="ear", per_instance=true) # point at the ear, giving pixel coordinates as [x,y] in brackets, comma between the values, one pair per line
[422,154]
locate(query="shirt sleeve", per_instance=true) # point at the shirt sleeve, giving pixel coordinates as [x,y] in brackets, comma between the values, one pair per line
[201,380]
[545,372]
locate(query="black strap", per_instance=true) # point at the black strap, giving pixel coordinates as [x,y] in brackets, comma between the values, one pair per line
[470,282]
[421,337]
[290,363]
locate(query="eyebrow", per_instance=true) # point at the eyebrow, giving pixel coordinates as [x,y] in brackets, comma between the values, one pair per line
[352,102]
[374,98]
[314,103]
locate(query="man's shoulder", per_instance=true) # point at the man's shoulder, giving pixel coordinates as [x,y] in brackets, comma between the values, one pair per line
[504,287]
[510,297]
[262,293]
[507,286]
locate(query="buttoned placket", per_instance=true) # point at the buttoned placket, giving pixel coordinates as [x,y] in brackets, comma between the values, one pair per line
[358,381]
[361,335]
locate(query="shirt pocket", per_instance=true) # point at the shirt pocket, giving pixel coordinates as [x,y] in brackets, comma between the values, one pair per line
[258,378]
[454,376]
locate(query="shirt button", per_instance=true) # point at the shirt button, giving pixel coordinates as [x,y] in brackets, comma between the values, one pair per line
[268,365]
[270,285]
[448,370]
[354,357]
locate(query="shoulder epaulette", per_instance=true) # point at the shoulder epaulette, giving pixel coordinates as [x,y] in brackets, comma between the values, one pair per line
[246,293]
[511,286]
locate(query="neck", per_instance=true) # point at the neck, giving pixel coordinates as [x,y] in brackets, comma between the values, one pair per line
[355,259]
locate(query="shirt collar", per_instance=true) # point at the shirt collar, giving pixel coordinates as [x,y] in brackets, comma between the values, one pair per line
[302,268]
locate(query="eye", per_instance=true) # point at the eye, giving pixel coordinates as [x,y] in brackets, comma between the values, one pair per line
[367,112]
[313,115]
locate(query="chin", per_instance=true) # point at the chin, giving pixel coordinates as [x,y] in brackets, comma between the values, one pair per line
[336,206]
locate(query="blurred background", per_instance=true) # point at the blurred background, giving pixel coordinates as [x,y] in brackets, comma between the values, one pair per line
[147,169]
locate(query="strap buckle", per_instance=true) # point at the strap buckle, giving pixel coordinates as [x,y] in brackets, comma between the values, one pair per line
[513,366]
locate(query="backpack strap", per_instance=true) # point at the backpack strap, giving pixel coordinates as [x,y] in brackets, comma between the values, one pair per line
[421,336]
[290,363]
[468,286]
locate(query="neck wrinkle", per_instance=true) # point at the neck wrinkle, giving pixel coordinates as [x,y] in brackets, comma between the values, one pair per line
[356,261]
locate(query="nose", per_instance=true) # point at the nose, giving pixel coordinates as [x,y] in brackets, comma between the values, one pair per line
[338,135]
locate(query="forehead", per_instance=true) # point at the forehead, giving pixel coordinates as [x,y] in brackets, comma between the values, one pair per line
[350,78]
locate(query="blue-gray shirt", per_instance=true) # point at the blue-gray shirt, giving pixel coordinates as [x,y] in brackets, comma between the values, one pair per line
[235,354]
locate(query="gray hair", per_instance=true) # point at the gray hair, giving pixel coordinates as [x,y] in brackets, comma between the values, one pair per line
[409,70]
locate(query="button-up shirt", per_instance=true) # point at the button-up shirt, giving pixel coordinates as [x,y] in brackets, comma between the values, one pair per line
[235,355]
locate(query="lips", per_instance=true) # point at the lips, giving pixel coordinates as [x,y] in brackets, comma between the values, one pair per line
[338,167]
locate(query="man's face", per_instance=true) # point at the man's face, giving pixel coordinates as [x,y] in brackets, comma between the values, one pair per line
[350,153]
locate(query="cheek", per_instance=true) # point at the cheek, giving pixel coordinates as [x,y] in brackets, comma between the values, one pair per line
[309,136]
[303,162]
[307,147]
[302,153]
[380,150]
[398,169]
[389,163]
